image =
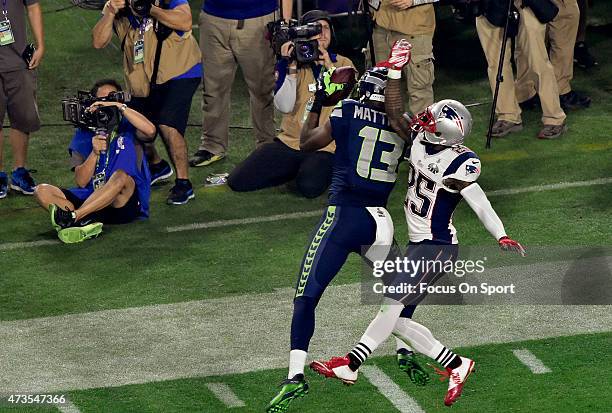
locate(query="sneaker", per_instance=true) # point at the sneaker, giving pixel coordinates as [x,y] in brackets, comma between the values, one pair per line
[80,232]
[552,131]
[22,181]
[180,193]
[290,390]
[61,218]
[502,128]
[336,368]
[456,379]
[3,185]
[407,362]
[574,100]
[204,158]
[531,103]
[160,171]
[582,57]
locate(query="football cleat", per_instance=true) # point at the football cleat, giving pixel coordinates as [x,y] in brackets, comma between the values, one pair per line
[61,218]
[291,389]
[336,368]
[456,379]
[80,232]
[407,362]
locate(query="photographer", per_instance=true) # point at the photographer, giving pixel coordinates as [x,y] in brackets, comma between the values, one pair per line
[415,21]
[281,161]
[232,34]
[161,62]
[18,87]
[111,173]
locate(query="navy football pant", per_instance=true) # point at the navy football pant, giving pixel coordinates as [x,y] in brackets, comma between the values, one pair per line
[342,230]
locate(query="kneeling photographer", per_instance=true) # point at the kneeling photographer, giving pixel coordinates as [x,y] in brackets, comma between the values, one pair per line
[162,68]
[109,166]
[302,53]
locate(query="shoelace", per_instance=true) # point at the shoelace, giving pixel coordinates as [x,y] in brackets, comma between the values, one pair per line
[28,178]
[446,375]
[443,373]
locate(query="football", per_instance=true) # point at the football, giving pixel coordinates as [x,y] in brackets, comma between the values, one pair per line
[340,85]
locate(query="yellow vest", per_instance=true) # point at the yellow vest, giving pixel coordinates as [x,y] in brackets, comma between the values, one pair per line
[291,124]
[179,54]
[414,20]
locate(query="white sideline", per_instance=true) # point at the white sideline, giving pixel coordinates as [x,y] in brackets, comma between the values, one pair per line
[531,361]
[225,394]
[18,245]
[308,214]
[388,388]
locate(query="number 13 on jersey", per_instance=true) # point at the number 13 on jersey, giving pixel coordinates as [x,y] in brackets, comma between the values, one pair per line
[371,136]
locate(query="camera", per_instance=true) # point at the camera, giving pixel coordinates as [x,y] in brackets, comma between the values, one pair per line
[103,119]
[141,7]
[304,51]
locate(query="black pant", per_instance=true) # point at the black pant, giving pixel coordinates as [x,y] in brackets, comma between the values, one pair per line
[275,163]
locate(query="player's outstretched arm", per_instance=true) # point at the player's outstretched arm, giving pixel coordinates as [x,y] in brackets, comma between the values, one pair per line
[478,201]
[394,102]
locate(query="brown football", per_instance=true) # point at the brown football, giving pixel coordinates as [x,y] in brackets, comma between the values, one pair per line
[346,76]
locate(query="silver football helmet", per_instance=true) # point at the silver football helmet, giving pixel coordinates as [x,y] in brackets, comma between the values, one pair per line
[447,123]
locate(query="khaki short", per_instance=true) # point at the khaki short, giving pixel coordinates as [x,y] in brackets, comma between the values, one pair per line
[18,99]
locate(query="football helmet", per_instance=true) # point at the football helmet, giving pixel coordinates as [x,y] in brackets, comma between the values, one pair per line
[371,86]
[447,123]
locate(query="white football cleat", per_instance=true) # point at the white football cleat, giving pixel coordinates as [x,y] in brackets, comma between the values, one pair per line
[456,380]
[336,368]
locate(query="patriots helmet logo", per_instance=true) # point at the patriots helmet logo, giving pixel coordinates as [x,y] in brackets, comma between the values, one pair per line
[449,113]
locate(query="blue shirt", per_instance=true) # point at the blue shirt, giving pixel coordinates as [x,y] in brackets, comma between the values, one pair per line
[239,9]
[122,155]
[368,152]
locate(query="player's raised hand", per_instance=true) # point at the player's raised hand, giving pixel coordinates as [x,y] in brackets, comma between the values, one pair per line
[400,54]
[507,244]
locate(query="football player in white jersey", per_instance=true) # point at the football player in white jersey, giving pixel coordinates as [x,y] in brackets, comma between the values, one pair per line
[442,172]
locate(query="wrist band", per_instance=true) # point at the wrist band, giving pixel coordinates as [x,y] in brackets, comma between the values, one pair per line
[394,74]
[123,108]
[292,71]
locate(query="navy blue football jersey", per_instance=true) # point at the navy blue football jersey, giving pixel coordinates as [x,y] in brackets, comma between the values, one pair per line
[368,152]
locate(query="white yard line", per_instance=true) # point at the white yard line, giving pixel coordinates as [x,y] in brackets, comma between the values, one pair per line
[531,361]
[310,214]
[21,245]
[211,337]
[244,221]
[388,388]
[550,187]
[307,214]
[225,394]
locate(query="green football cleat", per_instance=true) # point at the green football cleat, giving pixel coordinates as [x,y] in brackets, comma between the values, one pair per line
[407,362]
[72,235]
[291,389]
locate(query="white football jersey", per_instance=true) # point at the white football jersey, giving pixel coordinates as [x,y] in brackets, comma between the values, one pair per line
[429,204]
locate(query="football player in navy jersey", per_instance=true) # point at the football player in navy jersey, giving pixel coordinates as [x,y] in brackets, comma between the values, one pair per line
[442,172]
[368,151]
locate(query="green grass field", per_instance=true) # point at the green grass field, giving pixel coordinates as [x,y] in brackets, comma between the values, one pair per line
[142,272]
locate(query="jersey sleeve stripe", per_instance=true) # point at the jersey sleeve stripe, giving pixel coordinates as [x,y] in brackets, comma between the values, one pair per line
[458,161]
